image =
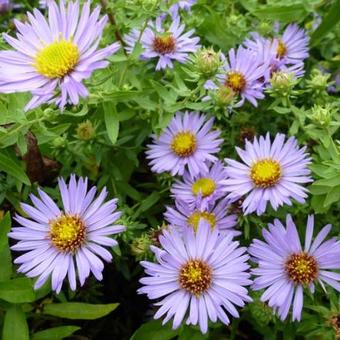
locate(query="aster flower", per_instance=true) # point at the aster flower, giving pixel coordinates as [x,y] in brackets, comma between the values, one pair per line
[52,57]
[285,269]
[182,4]
[165,44]
[201,190]
[267,52]
[199,276]
[5,5]
[183,217]
[293,44]
[187,142]
[62,242]
[272,172]
[244,74]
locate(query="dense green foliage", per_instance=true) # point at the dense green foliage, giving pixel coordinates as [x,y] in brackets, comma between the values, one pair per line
[105,137]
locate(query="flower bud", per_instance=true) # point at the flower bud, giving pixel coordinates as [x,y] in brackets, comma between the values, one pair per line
[282,81]
[140,246]
[224,96]
[319,81]
[207,62]
[59,142]
[86,131]
[321,115]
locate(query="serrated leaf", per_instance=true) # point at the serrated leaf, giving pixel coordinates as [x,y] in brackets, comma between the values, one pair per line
[77,310]
[15,325]
[17,290]
[55,333]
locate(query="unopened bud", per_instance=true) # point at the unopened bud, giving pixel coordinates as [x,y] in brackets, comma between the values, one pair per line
[208,62]
[86,131]
[140,246]
[321,115]
[224,96]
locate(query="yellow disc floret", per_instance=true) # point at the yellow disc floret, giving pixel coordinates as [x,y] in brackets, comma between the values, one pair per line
[67,233]
[301,268]
[184,144]
[281,49]
[203,186]
[195,217]
[236,81]
[58,59]
[195,277]
[265,173]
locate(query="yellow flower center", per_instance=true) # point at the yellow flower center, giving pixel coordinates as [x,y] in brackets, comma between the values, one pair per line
[301,268]
[265,173]
[195,277]
[236,81]
[203,186]
[57,59]
[184,144]
[281,49]
[164,44]
[195,217]
[67,233]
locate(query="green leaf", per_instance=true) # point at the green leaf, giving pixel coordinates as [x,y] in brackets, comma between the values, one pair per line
[6,263]
[328,22]
[15,325]
[5,226]
[290,13]
[111,121]
[154,330]
[55,333]
[147,203]
[17,290]
[11,167]
[77,310]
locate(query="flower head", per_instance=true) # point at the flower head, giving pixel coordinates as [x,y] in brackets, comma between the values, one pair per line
[52,57]
[285,268]
[187,142]
[164,44]
[201,190]
[199,275]
[68,241]
[244,75]
[5,6]
[272,172]
[184,217]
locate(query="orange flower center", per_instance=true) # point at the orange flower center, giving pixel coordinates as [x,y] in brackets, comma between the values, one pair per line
[164,44]
[195,277]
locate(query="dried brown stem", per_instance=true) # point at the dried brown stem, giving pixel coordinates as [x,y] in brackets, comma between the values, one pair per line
[112,19]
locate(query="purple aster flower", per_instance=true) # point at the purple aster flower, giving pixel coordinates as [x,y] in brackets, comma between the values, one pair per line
[285,268]
[164,44]
[69,241]
[44,3]
[5,6]
[188,141]
[244,74]
[267,52]
[183,217]
[201,190]
[52,57]
[199,276]
[293,44]
[271,172]
[182,4]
